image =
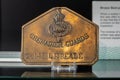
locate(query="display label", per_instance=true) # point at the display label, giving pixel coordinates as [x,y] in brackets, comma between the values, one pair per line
[107,15]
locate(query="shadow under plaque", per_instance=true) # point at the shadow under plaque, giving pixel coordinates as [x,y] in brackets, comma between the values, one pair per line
[58,75]
[80,72]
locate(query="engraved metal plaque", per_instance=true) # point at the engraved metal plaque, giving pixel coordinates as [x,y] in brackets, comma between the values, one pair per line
[60,35]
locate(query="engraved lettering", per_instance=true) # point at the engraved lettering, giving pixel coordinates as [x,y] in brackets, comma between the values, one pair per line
[59,56]
[59,44]
[54,56]
[36,55]
[77,41]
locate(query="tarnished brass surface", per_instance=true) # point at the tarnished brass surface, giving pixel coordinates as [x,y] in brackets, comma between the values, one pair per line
[60,35]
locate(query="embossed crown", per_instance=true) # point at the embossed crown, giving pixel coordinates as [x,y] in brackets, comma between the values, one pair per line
[59,16]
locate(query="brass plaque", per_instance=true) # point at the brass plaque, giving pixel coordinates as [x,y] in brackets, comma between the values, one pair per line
[60,35]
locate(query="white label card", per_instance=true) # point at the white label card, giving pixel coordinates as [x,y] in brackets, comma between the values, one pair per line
[107,15]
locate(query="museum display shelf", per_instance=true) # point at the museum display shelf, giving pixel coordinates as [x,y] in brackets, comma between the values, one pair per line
[102,69]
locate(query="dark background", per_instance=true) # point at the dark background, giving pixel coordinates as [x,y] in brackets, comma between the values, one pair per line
[15,13]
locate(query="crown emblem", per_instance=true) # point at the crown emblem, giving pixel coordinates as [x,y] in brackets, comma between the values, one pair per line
[59,27]
[59,17]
